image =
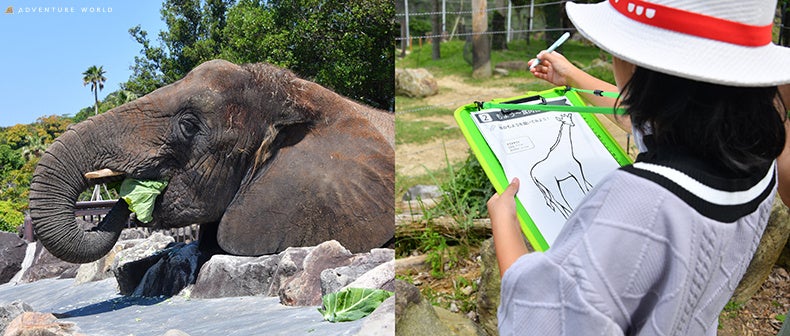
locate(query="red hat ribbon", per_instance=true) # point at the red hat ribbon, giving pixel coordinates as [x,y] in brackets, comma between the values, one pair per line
[695,24]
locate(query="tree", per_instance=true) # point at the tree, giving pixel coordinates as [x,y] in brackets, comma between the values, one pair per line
[344,45]
[95,77]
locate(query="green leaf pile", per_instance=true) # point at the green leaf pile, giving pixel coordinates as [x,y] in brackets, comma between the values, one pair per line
[352,304]
[140,195]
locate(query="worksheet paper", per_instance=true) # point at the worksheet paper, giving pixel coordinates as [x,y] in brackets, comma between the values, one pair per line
[555,155]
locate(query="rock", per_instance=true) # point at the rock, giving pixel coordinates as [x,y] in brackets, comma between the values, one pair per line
[132,263]
[501,72]
[134,233]
[177,269]
[415,316]
[226,276]
[380,277]
[381,322]
[332,280]
[512,66]
[163,274]
[10,311]
[422,192]
[45,266]
[39,324]
[415,83]
[291,264]
[458,324]
[771,245]
[12,253]
[100,269]
[175,332]
[488,292]
[305,288]
[142,249]
[784,258]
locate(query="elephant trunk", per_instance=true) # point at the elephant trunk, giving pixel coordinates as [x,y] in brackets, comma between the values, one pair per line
[54,189]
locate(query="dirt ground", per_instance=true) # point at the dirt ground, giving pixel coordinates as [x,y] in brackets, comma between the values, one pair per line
[757,317]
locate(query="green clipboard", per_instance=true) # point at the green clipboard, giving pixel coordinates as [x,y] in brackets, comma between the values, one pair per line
[492,166]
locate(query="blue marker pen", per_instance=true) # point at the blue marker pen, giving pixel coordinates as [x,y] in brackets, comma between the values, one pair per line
[556,44]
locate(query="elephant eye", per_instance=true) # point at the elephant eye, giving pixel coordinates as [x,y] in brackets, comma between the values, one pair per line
[188,127]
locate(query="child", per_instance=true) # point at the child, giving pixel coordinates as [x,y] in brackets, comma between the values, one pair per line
[658,247]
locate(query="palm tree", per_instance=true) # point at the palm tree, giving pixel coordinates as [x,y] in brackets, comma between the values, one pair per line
[95,76]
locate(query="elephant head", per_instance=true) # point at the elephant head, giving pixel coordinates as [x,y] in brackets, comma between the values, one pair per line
[268,158]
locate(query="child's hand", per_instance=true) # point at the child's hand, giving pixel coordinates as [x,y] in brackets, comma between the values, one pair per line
[502,208]
[553,68]
[508,239]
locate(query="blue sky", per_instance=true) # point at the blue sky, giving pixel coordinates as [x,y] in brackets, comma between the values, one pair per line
[43,55]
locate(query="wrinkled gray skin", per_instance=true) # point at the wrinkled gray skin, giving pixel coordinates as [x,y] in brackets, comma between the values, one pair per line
[264,159]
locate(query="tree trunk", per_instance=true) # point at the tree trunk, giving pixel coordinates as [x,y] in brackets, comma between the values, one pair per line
[481,45]
[96,100]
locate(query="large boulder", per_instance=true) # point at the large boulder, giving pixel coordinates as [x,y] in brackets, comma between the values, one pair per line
[305,288]
[415,83]
[771,245]
[12,253]
[226,276]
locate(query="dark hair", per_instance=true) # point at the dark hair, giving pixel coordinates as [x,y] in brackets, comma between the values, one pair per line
[738,128]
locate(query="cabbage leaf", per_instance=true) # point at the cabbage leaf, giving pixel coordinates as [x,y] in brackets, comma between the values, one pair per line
[352,304]
[141,195]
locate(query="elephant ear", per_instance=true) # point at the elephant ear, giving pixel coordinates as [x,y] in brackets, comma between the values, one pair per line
[319,183]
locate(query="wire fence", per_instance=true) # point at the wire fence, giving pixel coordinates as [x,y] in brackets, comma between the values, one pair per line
[521,20]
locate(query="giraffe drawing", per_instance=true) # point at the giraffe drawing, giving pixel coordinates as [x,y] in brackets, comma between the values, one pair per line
[560,165]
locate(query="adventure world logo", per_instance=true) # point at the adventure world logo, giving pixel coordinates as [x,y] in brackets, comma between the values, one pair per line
[32,10]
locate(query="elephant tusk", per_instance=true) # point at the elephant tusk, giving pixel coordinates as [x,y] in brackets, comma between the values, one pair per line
[102,173]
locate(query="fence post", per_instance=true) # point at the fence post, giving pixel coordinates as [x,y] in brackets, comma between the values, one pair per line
[509,17]
[406,15]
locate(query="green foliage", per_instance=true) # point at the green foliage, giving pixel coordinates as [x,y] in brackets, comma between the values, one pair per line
[434,245]
[467,191]
[21,146]
[10,216]
[352,304]
[344,45]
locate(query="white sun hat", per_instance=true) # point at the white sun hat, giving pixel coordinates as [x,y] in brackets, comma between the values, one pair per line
[717,41]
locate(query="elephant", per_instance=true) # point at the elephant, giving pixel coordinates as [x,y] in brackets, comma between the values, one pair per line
[262,159]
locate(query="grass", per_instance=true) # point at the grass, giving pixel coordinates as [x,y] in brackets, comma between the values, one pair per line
[452,61]
[423,131]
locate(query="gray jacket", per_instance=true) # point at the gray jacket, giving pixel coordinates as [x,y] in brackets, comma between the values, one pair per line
[656,248]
